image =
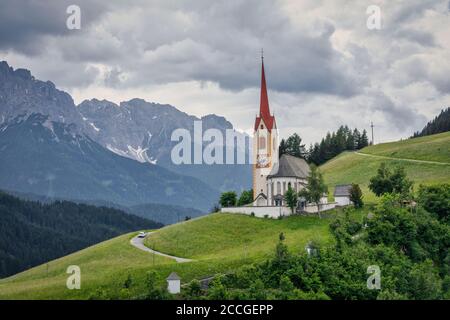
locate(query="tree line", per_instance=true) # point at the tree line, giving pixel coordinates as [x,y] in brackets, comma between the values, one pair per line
[440,123]
[344,139]
[32,233]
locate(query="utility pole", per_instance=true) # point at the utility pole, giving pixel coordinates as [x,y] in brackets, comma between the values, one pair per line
[371,126]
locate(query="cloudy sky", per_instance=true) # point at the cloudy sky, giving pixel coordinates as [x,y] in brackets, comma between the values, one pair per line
[324,67]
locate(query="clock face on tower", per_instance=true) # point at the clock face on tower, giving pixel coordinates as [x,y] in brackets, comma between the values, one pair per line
[262,161]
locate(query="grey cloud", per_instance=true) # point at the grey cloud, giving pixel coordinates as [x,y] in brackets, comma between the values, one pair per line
[420,37]
[162,42]
[403,116]
[24,25]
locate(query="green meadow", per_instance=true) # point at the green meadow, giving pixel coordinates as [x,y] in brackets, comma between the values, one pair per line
[221,242]
[353,167]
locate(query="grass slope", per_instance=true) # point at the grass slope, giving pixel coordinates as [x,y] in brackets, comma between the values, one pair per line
[351,167]
[218,243]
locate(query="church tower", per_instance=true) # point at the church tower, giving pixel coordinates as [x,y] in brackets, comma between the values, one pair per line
[265,142]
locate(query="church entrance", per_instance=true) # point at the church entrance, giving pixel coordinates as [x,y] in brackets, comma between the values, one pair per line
[278,200]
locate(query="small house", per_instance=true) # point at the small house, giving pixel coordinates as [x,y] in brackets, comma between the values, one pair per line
[342,194]
[173,283]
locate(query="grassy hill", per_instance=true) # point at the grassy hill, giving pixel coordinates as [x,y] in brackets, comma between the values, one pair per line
[217,242]
[222,242]
[426,160]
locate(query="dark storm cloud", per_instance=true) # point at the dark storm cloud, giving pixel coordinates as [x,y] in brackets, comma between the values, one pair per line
[221,43]
[25,23]
[163,42]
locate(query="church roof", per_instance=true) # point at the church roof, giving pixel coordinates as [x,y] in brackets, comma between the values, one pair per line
[264,110]
[290,166]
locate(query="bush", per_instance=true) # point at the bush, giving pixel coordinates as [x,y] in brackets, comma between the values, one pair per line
[436,200]
[356,196]
[228,199]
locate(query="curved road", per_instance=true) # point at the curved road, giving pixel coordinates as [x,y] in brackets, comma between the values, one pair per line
[139,243]
[402,159]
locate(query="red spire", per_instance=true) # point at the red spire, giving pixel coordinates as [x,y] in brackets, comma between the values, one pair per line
[264,111]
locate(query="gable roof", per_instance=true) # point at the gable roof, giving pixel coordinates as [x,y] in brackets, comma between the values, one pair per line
[262,195]
[342,190]
[173,276]
[290,166]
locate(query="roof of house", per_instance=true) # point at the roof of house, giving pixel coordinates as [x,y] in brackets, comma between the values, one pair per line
[290,166]
[173,276]
[342,190]
[264,110]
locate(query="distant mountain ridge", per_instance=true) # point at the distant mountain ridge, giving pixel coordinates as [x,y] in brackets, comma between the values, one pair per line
[135,129]
[142,131]
[49,158]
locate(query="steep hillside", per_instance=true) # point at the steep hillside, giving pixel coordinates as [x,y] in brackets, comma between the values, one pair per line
[32,233]
[218,243]
[426,160]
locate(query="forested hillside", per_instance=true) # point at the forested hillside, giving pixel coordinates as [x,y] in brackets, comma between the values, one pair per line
[440,123]
[32,233]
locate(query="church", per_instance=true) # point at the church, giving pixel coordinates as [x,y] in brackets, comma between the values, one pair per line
[273,175]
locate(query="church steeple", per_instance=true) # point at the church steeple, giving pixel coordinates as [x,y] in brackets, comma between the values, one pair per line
[264,110]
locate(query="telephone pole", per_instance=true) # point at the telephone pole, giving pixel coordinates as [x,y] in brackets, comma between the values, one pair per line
[371,126]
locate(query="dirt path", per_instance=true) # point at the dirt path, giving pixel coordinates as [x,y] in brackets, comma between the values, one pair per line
[403,159]
[139,243]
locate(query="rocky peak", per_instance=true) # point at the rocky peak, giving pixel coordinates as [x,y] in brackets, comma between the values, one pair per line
[22,94]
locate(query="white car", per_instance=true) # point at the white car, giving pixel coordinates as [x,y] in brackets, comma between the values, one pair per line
[142,234]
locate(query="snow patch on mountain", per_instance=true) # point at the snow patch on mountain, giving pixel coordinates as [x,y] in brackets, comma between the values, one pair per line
[93,126]
[138,153]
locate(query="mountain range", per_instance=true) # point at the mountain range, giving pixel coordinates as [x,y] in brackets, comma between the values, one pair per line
[101,151]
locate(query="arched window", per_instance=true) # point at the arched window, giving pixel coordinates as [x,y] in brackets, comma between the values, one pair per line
[278,187]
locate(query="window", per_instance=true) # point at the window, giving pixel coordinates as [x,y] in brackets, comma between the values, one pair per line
[262,142]
[262,127]
[278,187]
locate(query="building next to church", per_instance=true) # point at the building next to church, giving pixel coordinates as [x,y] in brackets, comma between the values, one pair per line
[273,175]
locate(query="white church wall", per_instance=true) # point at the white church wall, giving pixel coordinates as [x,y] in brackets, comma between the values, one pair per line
[312,208]
[261,212]
[274,211]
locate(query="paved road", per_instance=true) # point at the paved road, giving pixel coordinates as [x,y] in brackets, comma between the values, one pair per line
[139,243]
[403,159]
